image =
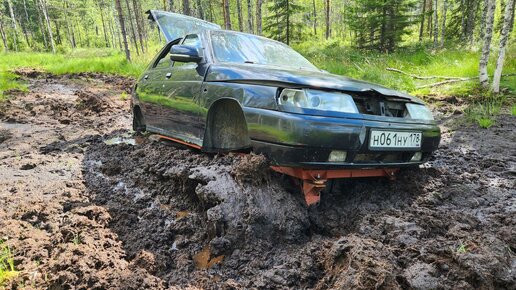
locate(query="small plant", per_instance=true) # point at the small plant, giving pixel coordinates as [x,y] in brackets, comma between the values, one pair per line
[77,240]
[485,123]
[124,96]
[461,249]
[513,110]
[7,270]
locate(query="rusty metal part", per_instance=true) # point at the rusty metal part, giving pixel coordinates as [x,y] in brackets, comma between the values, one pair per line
[195,146]
[314,181]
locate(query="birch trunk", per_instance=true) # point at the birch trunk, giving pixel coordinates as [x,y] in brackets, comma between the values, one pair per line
[259,17]
[49,28]
[250,17]
[2,33]
[171,5]
[483,19]
[483,76]
[122,28]
[436,24]
[504,38]
[443,25]
[13,22]
[240,19]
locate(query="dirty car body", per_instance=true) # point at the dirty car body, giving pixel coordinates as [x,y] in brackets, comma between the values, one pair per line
[222,90]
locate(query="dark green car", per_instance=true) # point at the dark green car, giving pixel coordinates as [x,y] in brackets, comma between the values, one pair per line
[222,90]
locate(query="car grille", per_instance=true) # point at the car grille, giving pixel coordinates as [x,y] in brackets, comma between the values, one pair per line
[381,106]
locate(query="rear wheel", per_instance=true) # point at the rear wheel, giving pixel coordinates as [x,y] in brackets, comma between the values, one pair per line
[138,121]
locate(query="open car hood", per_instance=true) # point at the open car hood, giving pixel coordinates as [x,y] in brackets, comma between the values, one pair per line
[268,75]
[175,25]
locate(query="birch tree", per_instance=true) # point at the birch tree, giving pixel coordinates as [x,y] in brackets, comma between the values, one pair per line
[483,76]
[504,38]
[14,26]
[2,32]
[44,9]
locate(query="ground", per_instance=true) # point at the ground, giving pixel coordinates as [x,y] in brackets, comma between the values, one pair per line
[84,204]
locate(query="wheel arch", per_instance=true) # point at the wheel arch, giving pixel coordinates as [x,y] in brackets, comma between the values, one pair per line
[226,127]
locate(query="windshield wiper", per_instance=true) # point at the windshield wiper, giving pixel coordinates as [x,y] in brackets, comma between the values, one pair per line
[249,61]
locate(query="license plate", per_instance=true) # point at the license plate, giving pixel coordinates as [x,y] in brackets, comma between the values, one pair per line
[393,140]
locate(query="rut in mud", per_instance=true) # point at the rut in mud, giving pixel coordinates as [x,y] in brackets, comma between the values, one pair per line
[85,204]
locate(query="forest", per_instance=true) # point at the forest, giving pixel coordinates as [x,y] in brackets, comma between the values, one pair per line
[87,201]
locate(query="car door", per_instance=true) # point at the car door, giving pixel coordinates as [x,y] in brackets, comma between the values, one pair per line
[184,81]
[152,91]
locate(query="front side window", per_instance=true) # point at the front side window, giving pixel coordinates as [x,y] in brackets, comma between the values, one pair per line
[251,49]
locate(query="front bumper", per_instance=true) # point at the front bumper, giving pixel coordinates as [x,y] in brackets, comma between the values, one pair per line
[307,141]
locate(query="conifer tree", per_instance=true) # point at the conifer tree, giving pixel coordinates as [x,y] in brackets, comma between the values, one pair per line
[280,24]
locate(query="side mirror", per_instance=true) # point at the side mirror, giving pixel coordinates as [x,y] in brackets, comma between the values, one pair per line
[185,53]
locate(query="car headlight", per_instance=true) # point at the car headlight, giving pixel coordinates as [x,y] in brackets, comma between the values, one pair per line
[420,112]
[295,101]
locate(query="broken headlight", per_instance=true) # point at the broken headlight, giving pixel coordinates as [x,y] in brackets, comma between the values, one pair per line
[295,101]
[420,112]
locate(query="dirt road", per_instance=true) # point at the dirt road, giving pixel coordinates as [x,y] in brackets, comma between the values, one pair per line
[85,205]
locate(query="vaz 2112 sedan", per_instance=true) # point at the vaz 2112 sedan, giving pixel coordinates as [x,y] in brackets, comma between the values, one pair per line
[221,90]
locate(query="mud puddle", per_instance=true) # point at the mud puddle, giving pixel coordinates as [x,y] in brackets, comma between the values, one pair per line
[84,204]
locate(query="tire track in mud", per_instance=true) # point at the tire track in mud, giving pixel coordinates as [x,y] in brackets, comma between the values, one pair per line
[151,215]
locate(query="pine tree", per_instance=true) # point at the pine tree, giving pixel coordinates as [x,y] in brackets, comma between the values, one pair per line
[380,24]
[280,24]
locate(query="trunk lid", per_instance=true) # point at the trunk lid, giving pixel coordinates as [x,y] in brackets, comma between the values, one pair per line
[174,25]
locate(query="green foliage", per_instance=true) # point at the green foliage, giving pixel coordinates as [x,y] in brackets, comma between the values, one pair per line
[281,24]
[513,110]
[336,57]
[76,61]
[485,123]
[485,110]
[7,269]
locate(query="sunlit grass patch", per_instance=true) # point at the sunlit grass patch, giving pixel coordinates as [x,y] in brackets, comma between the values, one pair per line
[7,269]
[417,60]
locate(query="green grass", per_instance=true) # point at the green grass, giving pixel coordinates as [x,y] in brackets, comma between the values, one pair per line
[7,270]
[418,60]
[513,110]
[77,61]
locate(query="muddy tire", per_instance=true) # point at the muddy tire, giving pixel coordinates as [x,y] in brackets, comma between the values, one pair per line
[227,127]
[138,121]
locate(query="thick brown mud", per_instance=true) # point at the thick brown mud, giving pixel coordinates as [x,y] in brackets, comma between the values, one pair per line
[85,204]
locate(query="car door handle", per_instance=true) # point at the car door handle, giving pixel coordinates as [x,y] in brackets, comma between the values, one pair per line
[168,75]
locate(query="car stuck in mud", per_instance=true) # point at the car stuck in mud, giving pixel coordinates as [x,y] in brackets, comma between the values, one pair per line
[219,90]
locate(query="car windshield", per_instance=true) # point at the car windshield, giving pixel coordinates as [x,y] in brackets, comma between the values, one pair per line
[246,48]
